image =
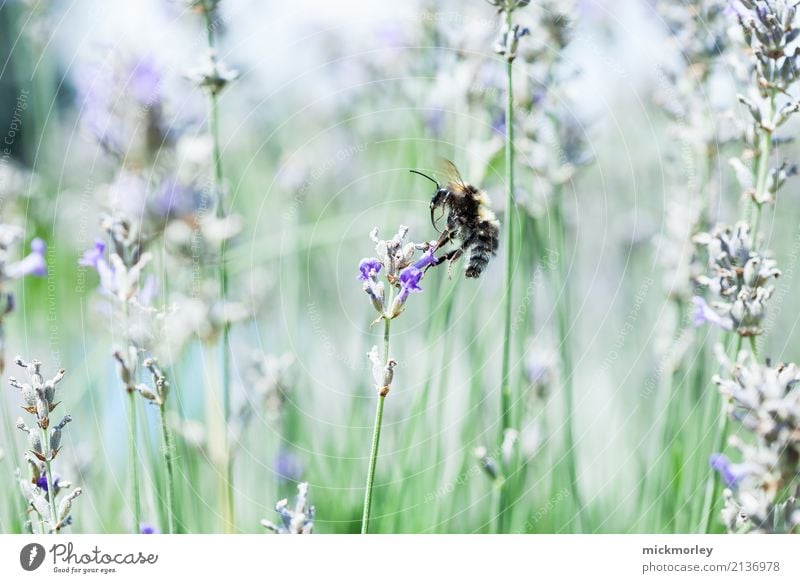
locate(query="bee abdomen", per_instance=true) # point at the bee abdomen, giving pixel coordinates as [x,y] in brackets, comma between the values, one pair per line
[481,251]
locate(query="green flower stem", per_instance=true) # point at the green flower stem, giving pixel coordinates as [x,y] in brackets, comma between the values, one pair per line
[505,382]
[376,433]
[720,435]
[167,454]
[133,452]
[563,318]
[506,420]
[226,475]
[762,169]
[133,460]
[51,490]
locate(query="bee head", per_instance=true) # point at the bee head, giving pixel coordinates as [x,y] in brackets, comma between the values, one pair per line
[439,198]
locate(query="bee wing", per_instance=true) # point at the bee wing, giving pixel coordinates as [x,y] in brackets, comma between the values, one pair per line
[451,176]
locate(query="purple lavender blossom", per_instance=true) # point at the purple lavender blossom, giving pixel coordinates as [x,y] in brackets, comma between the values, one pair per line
[434,121]
[720,463]
[176,199]
[428,258]
[288,466]
[499,124]
[41,482]
[368,268]
[147,528]
[94,258]
[145,80]
[409,279]
[33,264]
[409,283]
[704,314]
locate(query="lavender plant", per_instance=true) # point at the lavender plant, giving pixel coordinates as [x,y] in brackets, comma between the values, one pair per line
[507,46]
[157,394]
[761,489]
[554,140]
[740,271]
[212,77]
[42,489]
[401,278]
[120,273]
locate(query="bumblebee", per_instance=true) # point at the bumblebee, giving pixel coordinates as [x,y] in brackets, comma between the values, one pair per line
[470,221]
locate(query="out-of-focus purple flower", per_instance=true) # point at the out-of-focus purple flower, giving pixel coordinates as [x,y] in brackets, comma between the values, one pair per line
[288,466]
[147,528]
[94,258]
[368,268]
[704,314]
[720,463]
[113,95]
[145,80]
[434,120]
[33,264]
[499,124]
[175,199]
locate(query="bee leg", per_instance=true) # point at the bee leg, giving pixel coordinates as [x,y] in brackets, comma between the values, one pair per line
[444,239]
[451,257]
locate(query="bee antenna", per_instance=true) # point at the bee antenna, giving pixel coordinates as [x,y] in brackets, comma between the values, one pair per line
[426,176]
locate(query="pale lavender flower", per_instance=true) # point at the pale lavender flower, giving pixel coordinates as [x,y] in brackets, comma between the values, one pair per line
[297,520]
[42,488]
[704,314]
[727,471]
[116,278]
[763,400]
[33,264]
[115,96]
[288,466]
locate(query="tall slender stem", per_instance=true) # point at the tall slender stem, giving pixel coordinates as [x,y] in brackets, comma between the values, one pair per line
[51,489]
[563,317]
[762,170]
[376,434]
[133,456]
[505,382]
[166,443]
[720,435]
[506,419]
[226,477]
[133,452]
